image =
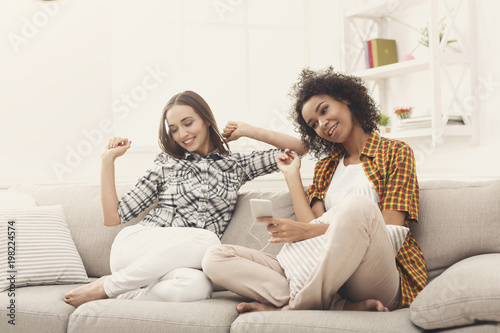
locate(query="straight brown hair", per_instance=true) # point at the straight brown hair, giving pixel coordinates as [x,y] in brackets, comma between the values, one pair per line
[200,106]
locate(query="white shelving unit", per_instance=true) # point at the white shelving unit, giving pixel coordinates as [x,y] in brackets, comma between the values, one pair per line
[371,20]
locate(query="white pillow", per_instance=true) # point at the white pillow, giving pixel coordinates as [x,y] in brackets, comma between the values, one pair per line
[15,200]
[397,234]
[36,248]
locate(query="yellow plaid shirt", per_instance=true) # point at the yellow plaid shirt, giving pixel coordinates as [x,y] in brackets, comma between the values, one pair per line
[390,166]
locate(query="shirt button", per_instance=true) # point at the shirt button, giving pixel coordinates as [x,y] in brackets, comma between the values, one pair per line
[202,220]
[203,208]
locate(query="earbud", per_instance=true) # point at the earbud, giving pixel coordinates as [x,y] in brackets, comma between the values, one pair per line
[218,134]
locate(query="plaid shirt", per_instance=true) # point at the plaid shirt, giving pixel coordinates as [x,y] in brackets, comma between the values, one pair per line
[390,166]
[198,192]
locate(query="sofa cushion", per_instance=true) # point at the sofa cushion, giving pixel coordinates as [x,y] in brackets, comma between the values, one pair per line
[324,321]
[457,220]
[467,292]
[131,316]
[38,309]
[38,248]
[82,208]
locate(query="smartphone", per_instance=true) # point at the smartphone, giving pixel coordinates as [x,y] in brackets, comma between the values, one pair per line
[261,208]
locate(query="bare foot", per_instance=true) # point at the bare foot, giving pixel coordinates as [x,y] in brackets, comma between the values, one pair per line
[254,307]
[366,305]
[89,292]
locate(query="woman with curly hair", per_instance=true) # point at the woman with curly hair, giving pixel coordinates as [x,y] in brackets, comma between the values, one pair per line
[338,255]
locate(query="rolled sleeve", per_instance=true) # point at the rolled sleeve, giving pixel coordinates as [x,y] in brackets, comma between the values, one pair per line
[323,171]
[401,186]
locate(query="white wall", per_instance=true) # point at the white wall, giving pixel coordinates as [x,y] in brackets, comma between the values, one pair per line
[55,86]
[66,65]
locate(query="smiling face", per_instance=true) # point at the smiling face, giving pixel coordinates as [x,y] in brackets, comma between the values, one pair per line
[189,130]
[331,119]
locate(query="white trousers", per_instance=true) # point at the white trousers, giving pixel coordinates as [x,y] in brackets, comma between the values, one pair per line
[159,264]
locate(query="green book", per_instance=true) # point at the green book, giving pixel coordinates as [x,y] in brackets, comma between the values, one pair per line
[384,52]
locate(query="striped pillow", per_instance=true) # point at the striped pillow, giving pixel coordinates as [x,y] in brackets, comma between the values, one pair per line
[298,260]
[36,248]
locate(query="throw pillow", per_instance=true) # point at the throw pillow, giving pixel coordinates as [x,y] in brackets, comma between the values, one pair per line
[36,248]
[467,292]
[15,200]
[397,234]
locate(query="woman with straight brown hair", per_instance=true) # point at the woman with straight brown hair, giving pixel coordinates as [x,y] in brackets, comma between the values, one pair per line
[195,181]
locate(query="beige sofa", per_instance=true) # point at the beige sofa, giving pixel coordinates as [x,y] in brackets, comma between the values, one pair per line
[459,227]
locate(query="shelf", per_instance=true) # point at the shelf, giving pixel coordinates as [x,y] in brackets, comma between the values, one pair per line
[408,133]
[382,8]
[458,130]
[449,130]
[374,18]
[399,68]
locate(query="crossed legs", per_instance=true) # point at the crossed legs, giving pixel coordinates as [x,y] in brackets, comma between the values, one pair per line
[153,263]
[356,270]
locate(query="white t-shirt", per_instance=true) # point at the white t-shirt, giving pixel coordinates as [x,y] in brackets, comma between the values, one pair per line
[348,180]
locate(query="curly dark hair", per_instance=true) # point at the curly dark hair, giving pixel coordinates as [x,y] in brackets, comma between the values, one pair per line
[341,87]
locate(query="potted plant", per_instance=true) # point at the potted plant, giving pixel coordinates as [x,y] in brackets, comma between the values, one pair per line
[384,123]
[424,39]
[403,113]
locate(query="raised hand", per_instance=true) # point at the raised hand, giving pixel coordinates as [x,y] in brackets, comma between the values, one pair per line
[288,162]
[235,130]
[116,147]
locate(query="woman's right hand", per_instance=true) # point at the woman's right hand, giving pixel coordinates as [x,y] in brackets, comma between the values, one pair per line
[116,147]
[235,130]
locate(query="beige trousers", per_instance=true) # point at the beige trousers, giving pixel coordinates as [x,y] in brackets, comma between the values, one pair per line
[356,263]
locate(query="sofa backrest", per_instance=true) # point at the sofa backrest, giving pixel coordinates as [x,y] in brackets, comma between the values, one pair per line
[241,230]
[457,220]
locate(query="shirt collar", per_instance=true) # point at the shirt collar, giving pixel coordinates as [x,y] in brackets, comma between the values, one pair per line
[213,155]
[371,144]
[369,149]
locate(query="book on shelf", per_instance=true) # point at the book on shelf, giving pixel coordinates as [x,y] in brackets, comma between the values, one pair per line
[380,52]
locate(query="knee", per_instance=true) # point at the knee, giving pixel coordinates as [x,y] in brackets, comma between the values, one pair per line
[358,205]
[212,260]
[205,237]
[355,212]
[357,202]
